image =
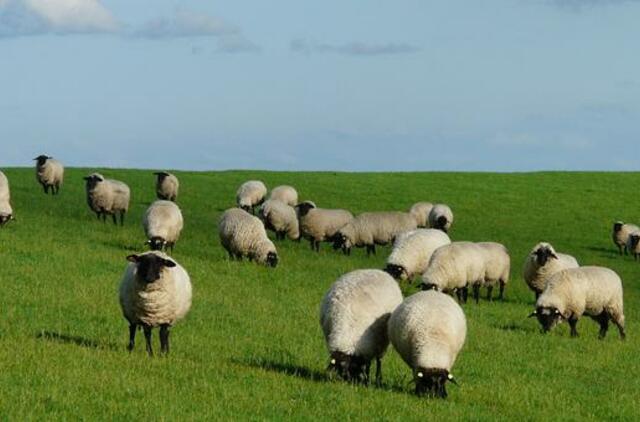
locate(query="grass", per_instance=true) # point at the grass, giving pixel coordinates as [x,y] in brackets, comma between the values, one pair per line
[252,348]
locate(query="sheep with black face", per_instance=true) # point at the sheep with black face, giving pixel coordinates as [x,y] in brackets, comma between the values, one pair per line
[620,235]
[412,251]
[633,244]
[107,196]
[167,186]
[320,224]
[162,224]
[441,217]
[243,235]
[49,173]
[250,195]
[541,263]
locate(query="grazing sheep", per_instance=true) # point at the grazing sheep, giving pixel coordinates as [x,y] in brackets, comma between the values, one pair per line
[49,173]
[281,218]
[167,186]
[286,194]
[571,293]
[320,224]
[162,224]
[412,251]
[242,234]
[441,217]
[541,263]
[155,292]
[107,196]
[621,232]
[250,195]
[373,228]
[420,212]
[428,331]
[453,267]
[6,212]
[497,268]
[353,316]
[633,244]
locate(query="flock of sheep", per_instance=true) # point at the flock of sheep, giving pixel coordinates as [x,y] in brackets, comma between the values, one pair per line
[364,310]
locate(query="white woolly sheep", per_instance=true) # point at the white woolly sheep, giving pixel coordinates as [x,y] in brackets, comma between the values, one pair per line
[571,293]
[320,224]
[497,265]
[620,234]
[49,173]
[373,228]
[155,292]
[281,218]
[412,251]
[633,244]
[441,217]
[250,195]
[541,263]
[286,194]
[6,212]
[167,186]
[420,212]
[107,196]
[242,234]
[162,224]
[428,331]
[353,316]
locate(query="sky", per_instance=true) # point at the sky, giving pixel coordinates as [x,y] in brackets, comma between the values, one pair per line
[513,85]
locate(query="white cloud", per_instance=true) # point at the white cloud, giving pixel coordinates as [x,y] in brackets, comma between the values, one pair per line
[352,49]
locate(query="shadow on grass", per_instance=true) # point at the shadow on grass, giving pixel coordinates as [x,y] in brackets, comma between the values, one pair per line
[57,337]
[125,247]
[608,252]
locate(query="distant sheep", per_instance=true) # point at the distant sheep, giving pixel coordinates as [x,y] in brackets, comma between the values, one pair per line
[6,212]
[167,186]
[497,265]
[541,263]
[286,194]
[620,235]
[320,224]
[281,218]
[162,224]
[49,173]
[633,244]
[420,212]
[242,234]
[250,195]
[412,251]
[441,217]
[373,228]
[107,196]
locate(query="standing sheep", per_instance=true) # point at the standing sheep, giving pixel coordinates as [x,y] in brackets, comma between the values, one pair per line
[571,293]
[154,292]
[107,196]
[320,224]
[353,317]
[620,234]
[286,194]
[250,195]
[49,173]
[497,268]
[242,234]
[6,212]
[541,263]
[441,217]
[373,228]
[162,224]
[633,244]
[412,251]
[281,218]
[420,212]
[167,186]
[428,331]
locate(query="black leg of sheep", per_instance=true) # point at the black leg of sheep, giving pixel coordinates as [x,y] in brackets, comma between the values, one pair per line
[147,338]
[489,293]
[572,323]
[122,218]
[115,221]
[378,372]
[132,336]
[501,294]
[476,292]
[603,320]
[164,338]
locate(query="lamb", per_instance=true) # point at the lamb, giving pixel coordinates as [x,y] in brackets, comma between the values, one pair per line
[167,186]
[621,232]
[286,194]
[412,251]
[541,263]
[428,331]
[497,268]
[353,317]
[281,218]
[107,196]
[162,224]
[453,267]
[633,244]
[441,217]
[49,173]
[6,212]
[154,292]
[371,228]
[573,292]
[242,234]
[420,212]
[250,195]
[320,224]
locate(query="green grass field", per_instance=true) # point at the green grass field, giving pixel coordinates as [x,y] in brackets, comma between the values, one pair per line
[252,348]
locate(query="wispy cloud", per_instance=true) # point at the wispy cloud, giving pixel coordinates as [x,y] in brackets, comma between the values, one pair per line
[351,49]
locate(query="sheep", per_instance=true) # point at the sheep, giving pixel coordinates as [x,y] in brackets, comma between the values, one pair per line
[412,251]
[107,196]
[620,235]
[155,291]
[167,186]
[633,244]
[320,224]
[573,292]
[453,267]
[49,173]
[371,228]
[6,212]
[441,217]
[162,224]
[420,212]
[428,330]
[250,195]
[497,268]
[286,194]
[541,263]
[242,234]
[353,317]
[281,218]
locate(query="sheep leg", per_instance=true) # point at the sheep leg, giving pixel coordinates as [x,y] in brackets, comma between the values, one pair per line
[620,325]
[603,320]
[98,215]
[115,221]
[57,189]
[620,249]
[476,292]
[537,296]
[459,295]
[378,372]
[317,245]
[501,294]
[489,293]
[164,339]
[312,244]
[147,338]
[572,323]
[367,372]
[122,218]
[132,336]
[46,188]
[465,294]
[626,251]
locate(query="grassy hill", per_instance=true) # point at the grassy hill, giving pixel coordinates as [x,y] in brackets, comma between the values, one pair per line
[252,348]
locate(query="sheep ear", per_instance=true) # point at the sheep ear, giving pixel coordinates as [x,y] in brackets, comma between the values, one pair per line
[552,255]
[452,379]
[133,258]
[169,263]
[532,314]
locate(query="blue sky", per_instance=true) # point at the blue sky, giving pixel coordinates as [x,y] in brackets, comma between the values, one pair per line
[513,85]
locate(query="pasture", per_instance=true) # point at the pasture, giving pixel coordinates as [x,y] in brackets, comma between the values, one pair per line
[252,348]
